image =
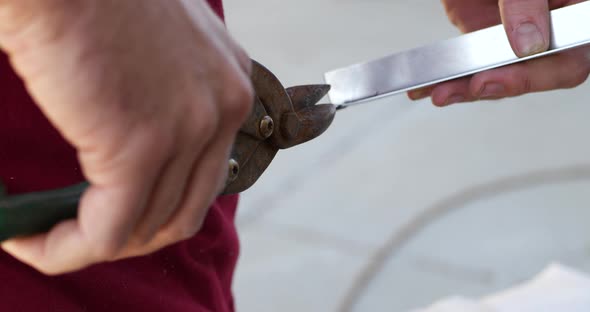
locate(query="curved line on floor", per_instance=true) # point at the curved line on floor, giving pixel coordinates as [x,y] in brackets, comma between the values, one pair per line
[398,239]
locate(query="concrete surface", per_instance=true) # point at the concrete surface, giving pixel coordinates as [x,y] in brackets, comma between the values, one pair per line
[400,204]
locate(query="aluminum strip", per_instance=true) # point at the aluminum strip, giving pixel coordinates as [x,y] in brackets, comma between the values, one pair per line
[450,59]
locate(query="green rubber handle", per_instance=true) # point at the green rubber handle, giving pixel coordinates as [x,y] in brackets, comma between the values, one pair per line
[35,213]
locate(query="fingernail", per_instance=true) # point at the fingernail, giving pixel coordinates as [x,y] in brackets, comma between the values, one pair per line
[529,39]
[454,99]
[492,90]
[418,94]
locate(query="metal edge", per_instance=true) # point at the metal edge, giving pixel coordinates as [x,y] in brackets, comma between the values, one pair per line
[579,8]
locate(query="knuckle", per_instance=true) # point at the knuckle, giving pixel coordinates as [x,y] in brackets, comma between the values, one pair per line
[575,78]
[48,270]
[448,6]
[453,16]
[238,101]
[516,12]
[106,249]
[144,134]
[518,80]
[187,226]
[150,136]
[192,228]
[245,61]
[455,13]
[157,133]
[205,121]
[186,230]
[526,85]
[248,66]
[145,236]
[580,77]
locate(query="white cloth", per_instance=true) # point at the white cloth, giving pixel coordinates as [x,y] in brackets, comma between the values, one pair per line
[556,289]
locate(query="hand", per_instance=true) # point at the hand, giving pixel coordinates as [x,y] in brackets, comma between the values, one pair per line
[151,94]
[527,25]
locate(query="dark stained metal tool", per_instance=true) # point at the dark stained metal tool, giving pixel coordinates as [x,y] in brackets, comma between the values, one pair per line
[280,119]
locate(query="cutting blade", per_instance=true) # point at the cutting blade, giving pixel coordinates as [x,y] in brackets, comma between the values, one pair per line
[450,59]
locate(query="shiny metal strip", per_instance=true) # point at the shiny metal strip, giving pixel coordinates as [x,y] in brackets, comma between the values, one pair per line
[453,58]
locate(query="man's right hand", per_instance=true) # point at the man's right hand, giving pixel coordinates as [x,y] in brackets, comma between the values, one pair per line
[151,95]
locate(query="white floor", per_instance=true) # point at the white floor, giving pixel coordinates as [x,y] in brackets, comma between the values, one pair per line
[400,204]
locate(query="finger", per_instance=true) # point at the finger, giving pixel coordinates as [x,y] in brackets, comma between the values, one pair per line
[452,92]
[244,60]
[108,212]
[470,16]
[555,4]
[34,250]
[171,186]
[527,25]
[421,93]
[46,252]
[208,176]
[241,58]
[560,71]
[167,195]
[207,180]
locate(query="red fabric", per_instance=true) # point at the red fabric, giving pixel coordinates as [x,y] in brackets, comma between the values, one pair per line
[194,275]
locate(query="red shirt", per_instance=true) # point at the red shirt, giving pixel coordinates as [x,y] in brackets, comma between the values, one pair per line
[194,275]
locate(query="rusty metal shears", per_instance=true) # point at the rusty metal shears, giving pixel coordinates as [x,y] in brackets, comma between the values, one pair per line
[281,118]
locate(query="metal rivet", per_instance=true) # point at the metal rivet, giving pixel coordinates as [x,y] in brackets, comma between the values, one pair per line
[234,170]
[267,126]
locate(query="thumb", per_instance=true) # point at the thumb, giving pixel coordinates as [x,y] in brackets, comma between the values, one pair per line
[527,25]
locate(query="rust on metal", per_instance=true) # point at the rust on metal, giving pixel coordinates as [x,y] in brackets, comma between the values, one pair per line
[281,118]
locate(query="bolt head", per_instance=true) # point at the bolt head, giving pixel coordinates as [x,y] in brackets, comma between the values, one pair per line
[233,170]
[267,126]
